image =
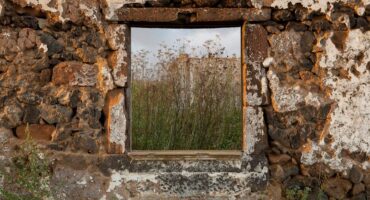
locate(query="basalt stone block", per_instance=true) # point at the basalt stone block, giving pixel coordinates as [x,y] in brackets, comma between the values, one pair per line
[35,131]
[254,130]
[256,50]
[11,116]
[55,113]
[87,54]
[83,142]
[118,40]
[116,121]
[31,115]
[282,15]
[118,61]
[53,46]
[116,36]
[5,135]
[74,74]
[337,187]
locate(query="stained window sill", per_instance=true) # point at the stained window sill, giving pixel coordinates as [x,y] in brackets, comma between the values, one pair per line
[186,155]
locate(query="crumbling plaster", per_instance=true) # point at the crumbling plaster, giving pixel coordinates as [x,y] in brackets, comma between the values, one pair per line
[321,5]
[348,122]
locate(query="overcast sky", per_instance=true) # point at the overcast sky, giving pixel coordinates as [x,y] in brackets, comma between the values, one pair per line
[151,38]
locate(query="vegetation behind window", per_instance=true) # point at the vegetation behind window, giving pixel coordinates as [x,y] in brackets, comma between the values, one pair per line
[186,96]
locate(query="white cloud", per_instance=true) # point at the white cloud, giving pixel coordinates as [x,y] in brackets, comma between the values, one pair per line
[150,38]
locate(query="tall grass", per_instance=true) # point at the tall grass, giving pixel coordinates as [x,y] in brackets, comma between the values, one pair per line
[183,103]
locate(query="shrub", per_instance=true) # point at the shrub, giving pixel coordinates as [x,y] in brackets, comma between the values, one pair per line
[29,174]
[296,193]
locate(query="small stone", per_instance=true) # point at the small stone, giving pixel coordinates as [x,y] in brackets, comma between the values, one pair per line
[356,175]
[281,158]
[301,13]
[94,40]
[75,74]
[36,132]
[87,54]
[89,115]
[320,24]
[85,143]
[45,75]
[367,179]
[320,170]
[281,172]
[296,26]
[272,29]
[290,169]
[282,15]
[53,46]
[118,61]
[277,172]
[31,115]
[205,3]
[27,39]
[274,190]
[362,23]
[5,135]
[361,196]
[306,75]
[11,116]
[105,79]
[342,21]
[116,36]
[29,97]
[53,114]
[337,187]
[358,188]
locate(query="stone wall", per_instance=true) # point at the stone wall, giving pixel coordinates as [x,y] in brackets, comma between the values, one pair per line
[64,69]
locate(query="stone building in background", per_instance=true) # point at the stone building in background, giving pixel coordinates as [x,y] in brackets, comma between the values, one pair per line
[192,72]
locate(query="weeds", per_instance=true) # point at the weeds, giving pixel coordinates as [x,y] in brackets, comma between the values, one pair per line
[186,103]
[296,193]
[29,175]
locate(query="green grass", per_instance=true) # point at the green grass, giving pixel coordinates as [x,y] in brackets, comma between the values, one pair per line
[169,115]
[29,175]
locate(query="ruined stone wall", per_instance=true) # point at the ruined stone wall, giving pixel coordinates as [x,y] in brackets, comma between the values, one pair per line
[64,69]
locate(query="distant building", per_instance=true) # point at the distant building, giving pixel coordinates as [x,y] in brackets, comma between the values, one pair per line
[193,73]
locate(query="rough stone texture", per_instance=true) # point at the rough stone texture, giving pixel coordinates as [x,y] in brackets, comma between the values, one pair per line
[256,49]
[75,74]
[55,113]
[119,59]
[192,15]
[291,51]
[5,135]
[255,130]
[116,121]
[349,89]
[36,132]
[337,188]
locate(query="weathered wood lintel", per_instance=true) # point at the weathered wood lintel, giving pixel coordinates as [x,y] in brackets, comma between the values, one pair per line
[192,15]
